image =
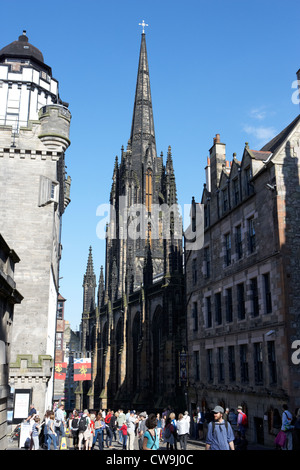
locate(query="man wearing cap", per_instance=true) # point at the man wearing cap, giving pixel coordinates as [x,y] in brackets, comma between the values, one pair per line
[142,428]
[241,421]
[219,435]
[131,422]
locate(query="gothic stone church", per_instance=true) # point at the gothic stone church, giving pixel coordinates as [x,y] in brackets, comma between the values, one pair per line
[135,329]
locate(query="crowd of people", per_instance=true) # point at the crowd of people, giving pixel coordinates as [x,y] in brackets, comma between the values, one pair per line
[133,431]
[219,429]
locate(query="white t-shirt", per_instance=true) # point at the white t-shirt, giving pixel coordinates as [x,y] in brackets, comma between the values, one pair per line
[183,425]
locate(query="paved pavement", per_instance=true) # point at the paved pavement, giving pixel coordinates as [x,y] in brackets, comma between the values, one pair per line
[193,445]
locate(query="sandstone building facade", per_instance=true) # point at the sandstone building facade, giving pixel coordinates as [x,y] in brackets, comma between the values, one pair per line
[9,297]
[243,284]
[34,192]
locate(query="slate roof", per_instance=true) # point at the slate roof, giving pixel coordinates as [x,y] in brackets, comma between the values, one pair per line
[24,50]
[275,143]
[260,155]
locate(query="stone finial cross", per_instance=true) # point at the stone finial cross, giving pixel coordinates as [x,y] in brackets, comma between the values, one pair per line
[143,24]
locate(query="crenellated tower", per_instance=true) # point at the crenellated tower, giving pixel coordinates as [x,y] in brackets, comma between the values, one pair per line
[34,193]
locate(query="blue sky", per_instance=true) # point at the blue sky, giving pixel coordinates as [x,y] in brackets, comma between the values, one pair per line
[224,66]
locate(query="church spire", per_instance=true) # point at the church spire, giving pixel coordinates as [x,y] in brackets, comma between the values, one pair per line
[89,285]
[142,129]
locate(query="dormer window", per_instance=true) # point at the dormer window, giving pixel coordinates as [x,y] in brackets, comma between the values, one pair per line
[249,185]
[236,191]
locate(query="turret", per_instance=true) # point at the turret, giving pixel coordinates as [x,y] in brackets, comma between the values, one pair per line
[55,126]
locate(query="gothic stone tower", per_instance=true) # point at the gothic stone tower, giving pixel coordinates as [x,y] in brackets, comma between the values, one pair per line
[34,192]
[141,321]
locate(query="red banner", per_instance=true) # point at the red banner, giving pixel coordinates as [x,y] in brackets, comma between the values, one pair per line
[60,370]
[82,369]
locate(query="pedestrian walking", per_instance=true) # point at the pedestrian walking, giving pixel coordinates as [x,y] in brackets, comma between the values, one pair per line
[60,423]
[44,444]
[219,434]
[232,418]
[74,429]
[151,437]
[123,430]
[83,426]
[159,425]
[109,428]
[35,433]
[287,427]
[174,423]
[169,434]
[120,421]
[141,429]
[52,437]
[183,427]
[242,421]
[131,422]
[199,424]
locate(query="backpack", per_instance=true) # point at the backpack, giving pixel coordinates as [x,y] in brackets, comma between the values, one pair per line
[74,424]
[82,424]
[155,440]
[167,432]
[244,420]
[214,425]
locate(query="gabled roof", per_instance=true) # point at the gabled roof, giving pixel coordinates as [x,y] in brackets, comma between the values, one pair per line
[276,142]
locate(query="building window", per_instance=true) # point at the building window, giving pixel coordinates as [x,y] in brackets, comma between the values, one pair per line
[207,261]
[231,363]
[229,308]
[244,364]
[225,200]
[218,309]
[210,365]
[272,362]
[258,363]
[196,366]
[221,365]
[238,241]
[267,292]
[236,191]
[59,341]
[249,185]
[227,249]
[195,316]
[241,301]
[254,297]
[59,315]
[251,235]
[206,216]
[149,190]
[49,191]
[194,271]
[208,312]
